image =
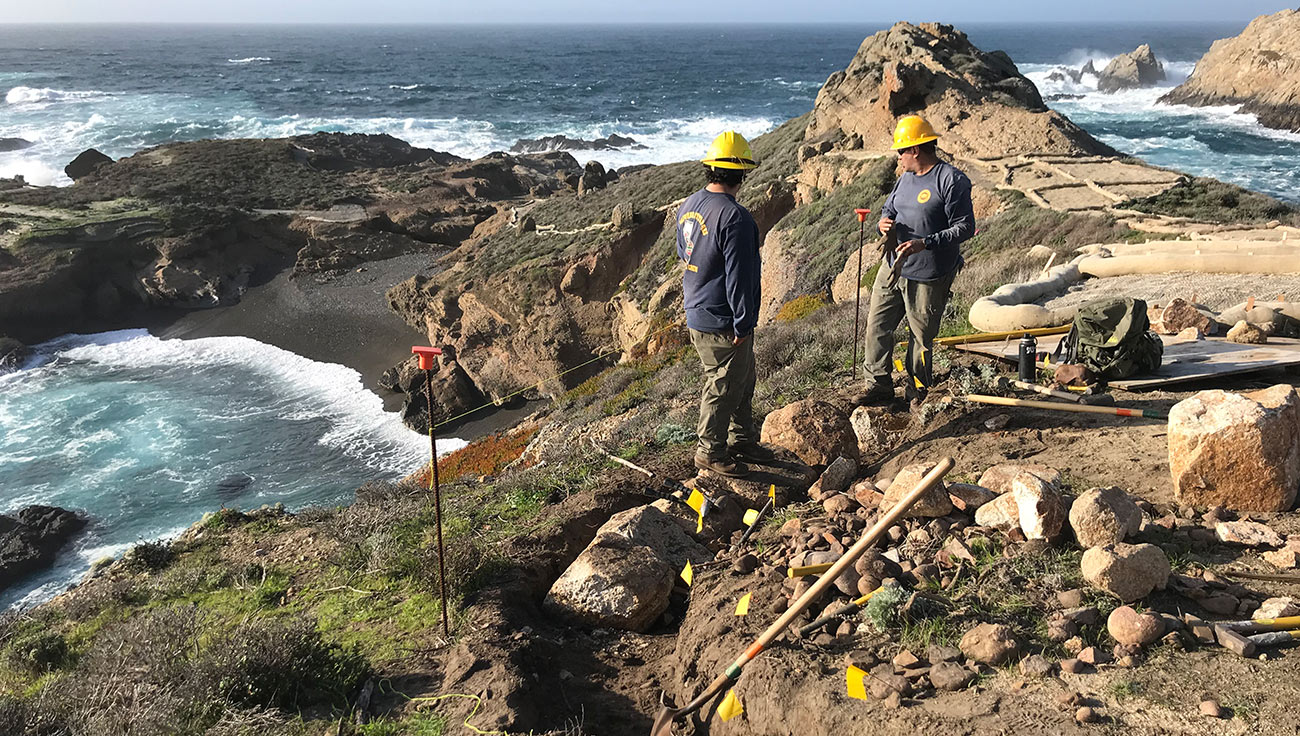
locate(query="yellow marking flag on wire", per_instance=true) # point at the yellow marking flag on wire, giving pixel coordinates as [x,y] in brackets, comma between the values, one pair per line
[742,608]
[688,574]
[751,516]
[771,493]
[730,707]
[857,682]
[696,501]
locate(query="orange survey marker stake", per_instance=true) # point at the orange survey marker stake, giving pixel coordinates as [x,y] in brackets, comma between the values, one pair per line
[857,304]
[426,355]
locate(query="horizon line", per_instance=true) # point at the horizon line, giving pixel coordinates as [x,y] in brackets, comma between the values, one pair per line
[610,23]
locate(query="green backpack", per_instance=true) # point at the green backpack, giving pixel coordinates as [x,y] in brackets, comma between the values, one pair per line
[1112,338]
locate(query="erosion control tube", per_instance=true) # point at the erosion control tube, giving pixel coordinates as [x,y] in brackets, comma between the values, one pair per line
[1111,410]
[664,720]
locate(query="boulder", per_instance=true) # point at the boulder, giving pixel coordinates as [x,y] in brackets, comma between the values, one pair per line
[1126,571]
[1001,513]
[1179,316]
[990,644]
[593,177]
[30,539]
[1104,516]
[1138,68]
[950,676]
[1258,70]
[838,475]
[813,430]
[968,497]
[1127,626]
[623,578]
[933,503]
[867,429]
[998,478]
[85,163]
[1240,451]
[1247,334]
[623,216]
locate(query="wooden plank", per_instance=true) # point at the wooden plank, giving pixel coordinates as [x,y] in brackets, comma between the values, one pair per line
[1184,360]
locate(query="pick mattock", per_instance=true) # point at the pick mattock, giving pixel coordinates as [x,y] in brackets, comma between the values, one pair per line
[426,355]
[857,303]
[664,720]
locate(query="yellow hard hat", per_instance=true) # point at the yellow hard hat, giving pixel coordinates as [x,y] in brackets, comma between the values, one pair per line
[913,130]
[729,151]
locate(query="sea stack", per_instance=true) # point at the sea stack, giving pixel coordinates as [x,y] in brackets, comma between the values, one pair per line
[1259,70]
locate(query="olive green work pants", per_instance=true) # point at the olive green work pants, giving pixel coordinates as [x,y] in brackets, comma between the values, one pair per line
[727,400]
[922,303]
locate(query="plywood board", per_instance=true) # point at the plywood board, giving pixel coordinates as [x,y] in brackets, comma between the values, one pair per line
[1184,360]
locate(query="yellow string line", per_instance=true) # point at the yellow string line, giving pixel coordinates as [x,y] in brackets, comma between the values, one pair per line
[478,704]
[506,398]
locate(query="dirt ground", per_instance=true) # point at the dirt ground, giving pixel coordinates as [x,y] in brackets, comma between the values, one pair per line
[534,673]
[1217,291]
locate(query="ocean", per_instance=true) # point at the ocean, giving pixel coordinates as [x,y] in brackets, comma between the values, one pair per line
[144,435]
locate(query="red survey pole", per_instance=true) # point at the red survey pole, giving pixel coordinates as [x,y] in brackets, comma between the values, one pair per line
[426,355]
[857,304]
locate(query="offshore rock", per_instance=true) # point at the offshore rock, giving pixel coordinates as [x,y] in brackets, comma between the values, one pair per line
[1240,451]
[550,143]
[85,164]
[1138,68]
[31,538]
[980,102]
[1258,69]
[623,578]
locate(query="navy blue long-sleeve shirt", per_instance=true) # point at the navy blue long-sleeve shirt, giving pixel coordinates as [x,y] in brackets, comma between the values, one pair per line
[718,240]
[934,207]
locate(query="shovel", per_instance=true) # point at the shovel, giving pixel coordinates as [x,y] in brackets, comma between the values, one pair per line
[667,715]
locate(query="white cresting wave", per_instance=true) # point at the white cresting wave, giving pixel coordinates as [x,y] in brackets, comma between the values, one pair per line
[250,60]
[38,95]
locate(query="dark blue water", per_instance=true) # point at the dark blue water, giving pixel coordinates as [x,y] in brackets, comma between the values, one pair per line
[471,90]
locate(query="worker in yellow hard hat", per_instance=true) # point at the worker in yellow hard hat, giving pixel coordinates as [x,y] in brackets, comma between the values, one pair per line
[717,241]
[930,213]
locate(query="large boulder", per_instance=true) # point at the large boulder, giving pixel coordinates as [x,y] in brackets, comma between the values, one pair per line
[623,578]
[815,431]
[1104,516]
[933,503]
[1258,69]
[31,538]
[85,164]
[1138,68]
[979,101]
[1126,571]
[1241,451]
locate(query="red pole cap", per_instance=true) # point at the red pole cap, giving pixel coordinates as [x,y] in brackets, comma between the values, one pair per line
[862,214]
[426,355]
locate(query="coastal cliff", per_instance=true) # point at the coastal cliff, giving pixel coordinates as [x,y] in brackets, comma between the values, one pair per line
[1258,70]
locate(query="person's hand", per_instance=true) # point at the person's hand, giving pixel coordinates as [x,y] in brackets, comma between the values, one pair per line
[910,247]
[739,339]
[885,225]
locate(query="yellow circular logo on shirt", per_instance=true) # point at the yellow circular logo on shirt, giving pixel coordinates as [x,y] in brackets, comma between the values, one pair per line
[924,196]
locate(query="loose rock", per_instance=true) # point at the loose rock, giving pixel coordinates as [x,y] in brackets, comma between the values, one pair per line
[1126,571]
[1277,608]
[1127,626]
[813,430]
[1041,508]
[968,497]
[990,644]
[1247,334]
[1247,534]
[1104,516]
[998,478]
[950,676]
[934,502]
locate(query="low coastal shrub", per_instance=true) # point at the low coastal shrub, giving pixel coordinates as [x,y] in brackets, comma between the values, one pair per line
[38,652]
[149,556]
[1213,201]
[800,307]
[484,456]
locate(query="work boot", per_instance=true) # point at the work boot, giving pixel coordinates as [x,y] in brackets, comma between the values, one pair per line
[752,452]
[724,466]
[878,394]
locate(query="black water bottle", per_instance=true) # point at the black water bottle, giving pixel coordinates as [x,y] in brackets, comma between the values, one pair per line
[1028,359]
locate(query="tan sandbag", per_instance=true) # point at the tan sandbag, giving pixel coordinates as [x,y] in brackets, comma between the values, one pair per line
[1010,307]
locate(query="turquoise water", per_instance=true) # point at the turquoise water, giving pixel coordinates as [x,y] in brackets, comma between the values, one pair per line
[140,433]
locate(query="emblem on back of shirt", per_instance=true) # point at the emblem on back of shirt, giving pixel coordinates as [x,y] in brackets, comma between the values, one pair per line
[688,223]
[923,196]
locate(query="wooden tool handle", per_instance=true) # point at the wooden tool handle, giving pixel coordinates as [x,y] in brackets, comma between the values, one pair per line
[1111,410]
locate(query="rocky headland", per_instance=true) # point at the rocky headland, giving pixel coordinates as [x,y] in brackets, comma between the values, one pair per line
[1259,70]
[1042,587]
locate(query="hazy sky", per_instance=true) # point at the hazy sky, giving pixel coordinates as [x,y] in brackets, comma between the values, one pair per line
[575,11]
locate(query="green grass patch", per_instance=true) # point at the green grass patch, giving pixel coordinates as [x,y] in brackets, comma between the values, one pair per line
[1213,201]
[800,307]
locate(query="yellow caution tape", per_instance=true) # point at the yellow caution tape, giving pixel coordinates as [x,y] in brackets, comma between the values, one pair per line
[730,707]
[742,608]
[688,574]
[856,678]
[751,516]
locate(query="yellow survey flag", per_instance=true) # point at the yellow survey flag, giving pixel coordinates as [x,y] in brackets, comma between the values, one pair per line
[742,608]
[688,574]
[751,516]
[898,364]
[857,682]
[730,707]
[771,493]
[695,500]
